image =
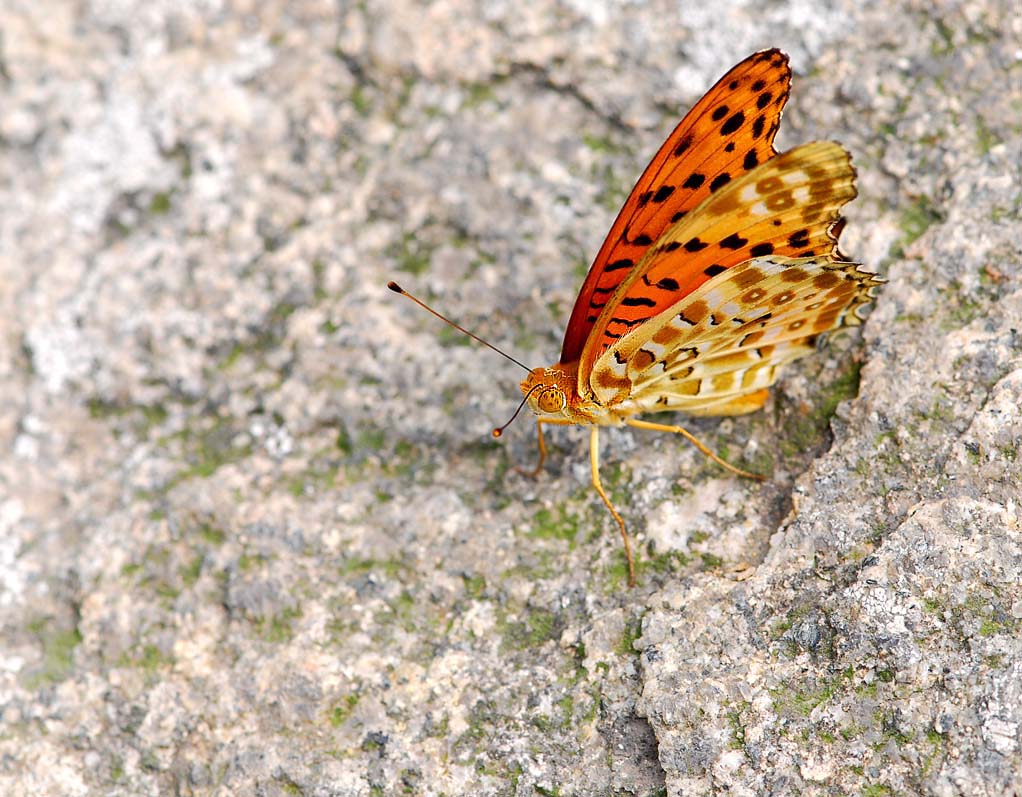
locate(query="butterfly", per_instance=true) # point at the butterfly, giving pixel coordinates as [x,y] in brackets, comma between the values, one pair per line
[722,266]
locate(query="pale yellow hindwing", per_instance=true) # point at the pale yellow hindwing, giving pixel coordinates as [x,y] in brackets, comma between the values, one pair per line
[731,335]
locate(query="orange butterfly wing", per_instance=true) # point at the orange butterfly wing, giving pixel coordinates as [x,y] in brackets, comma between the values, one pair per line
[727,133]
[788,206]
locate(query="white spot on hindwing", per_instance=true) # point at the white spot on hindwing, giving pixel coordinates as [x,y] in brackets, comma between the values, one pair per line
[714,299]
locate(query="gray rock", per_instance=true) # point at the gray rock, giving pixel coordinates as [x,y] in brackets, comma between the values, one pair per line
[255,537]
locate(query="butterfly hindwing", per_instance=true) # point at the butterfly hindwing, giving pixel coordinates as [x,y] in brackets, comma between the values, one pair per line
[729,337]
[727,133]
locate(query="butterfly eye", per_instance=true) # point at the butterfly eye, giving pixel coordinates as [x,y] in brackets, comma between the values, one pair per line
[551,400]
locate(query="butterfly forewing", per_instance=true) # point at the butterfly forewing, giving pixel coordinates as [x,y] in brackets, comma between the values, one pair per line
[784,207]
[728,338]
[727,133]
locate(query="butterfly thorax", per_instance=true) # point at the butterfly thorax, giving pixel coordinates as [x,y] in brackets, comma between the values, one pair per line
[553,392]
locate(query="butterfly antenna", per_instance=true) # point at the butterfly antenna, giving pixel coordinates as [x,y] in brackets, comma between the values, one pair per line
[398,289]
[500,429]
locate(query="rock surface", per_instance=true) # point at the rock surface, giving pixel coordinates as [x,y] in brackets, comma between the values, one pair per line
[254,535]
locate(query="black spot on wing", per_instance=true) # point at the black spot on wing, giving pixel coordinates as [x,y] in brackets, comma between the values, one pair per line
[734,241]
[694,180]
[733,124]
[714,270]
[694,245]
[683,145]
[759,250]
[719,113]
[758,125]
[751,160]
[617,265]
[662,193]
[720,181]
[638,301]
[799,240]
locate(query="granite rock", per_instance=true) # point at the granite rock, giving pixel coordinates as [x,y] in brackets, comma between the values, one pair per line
[255,537]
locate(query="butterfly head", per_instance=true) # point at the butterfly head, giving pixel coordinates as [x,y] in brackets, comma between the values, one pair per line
[548,389]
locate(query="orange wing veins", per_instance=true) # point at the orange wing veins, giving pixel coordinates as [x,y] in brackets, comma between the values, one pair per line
[727,133]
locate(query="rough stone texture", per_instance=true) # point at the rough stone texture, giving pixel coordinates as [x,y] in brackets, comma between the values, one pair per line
[254,536]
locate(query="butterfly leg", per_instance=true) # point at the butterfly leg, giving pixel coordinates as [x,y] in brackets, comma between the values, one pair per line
[661,427]
[542,444]
[594,461]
